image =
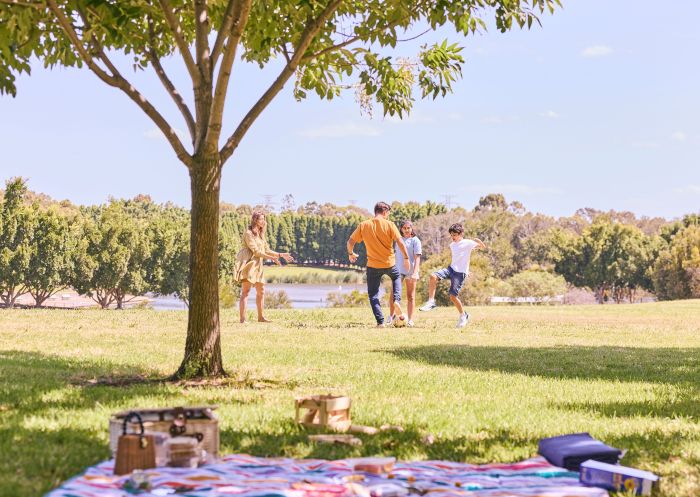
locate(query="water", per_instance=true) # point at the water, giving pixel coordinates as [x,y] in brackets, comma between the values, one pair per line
[301,296]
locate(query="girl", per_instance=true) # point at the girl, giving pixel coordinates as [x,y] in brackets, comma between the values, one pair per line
[414,249]
[249,264]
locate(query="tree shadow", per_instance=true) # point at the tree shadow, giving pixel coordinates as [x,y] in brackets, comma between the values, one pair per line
[676,366]
[47,430]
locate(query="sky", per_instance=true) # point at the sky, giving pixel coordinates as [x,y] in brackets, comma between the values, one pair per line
[597,108]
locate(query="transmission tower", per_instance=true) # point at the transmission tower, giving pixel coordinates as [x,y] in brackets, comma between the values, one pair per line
[269,204]
[448,199]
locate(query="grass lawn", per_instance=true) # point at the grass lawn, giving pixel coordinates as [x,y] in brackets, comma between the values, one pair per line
[291,273]
[628,374]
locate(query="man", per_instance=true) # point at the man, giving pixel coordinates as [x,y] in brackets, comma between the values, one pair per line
[379,235]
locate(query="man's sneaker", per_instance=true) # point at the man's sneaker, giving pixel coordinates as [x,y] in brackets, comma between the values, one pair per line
[381,325]
[400,322]
[463,320]
[410,323]
[428,306]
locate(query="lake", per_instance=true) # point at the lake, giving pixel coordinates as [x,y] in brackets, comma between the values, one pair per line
[301,296]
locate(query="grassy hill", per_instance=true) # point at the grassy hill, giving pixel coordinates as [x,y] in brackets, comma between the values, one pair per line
[629,375]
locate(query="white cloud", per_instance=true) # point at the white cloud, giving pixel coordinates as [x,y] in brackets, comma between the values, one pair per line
[645,144]
[156,134]
[499,119]
[550,114]
[424,118]
[341,130]
[679,136]
[596,51]
[510,188]
[692,189]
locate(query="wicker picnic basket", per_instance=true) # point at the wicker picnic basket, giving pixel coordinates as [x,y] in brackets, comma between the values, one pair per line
[198,422]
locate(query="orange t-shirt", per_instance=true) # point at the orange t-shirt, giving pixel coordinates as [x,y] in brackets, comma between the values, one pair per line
[379,236]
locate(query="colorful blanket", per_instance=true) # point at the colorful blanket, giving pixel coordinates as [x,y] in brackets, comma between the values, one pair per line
[246,476]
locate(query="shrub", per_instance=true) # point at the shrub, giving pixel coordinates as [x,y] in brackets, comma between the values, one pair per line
[536,283]
[478,289]
[277,300]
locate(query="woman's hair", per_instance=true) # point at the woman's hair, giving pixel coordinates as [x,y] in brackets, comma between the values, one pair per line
[253,226]
[406,222]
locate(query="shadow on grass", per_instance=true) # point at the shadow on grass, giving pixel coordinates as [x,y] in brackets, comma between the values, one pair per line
[676,366]
[48,429]
[652,446]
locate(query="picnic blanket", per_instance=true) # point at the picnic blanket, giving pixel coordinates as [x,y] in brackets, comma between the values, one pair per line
[247,476]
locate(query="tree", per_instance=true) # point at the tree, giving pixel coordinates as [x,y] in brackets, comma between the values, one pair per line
[167,266]
[114,261]
[328,46]
[16,233]
[676,272]
[609,257]
[50,260]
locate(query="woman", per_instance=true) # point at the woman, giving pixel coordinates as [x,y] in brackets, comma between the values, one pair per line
[249,264]
[414,249]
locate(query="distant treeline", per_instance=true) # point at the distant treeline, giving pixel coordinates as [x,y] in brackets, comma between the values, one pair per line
[135,246]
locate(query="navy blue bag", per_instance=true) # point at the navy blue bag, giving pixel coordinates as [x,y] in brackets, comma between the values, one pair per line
[569,451]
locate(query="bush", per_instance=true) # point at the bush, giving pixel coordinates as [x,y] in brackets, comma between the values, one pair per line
[229,293]
[536,283]
[277,300]
[478,289]
[355,298]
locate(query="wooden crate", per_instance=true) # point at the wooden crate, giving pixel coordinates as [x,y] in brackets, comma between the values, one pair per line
[324,411]
[198,420]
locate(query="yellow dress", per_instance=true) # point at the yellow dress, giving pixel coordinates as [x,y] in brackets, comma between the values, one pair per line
[249,261]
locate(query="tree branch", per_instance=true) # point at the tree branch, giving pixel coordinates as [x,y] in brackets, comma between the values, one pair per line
[67,28]
[180,40]
[118,81]
[223,32]
[307,36]
[169,86]
[201,21]
[285,52]
[241,10]
[353,39]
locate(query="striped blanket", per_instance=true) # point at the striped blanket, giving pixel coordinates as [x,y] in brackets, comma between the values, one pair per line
[246,476]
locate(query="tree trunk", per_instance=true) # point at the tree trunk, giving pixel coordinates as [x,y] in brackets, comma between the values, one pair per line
[203,346]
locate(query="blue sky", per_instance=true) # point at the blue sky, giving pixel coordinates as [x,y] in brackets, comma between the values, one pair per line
[597,108]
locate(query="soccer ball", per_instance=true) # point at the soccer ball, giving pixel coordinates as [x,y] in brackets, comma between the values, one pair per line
[399,321]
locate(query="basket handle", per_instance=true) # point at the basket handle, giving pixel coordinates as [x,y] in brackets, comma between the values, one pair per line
[129,417]
[179,424]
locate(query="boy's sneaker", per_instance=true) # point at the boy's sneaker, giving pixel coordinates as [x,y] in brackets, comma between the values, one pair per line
[390,320]
[400,322]
[410,323]
[428,306]
[463,320]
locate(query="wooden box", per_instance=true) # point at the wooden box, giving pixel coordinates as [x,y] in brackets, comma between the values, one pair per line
[324,411]
[198,422]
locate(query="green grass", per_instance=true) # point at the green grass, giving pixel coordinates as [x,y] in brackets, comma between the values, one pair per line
[312,275]
[629,375]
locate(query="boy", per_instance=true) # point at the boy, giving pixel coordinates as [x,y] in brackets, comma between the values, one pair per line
[457,271]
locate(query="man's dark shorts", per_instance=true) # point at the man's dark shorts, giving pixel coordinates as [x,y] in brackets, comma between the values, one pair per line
[456,279]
